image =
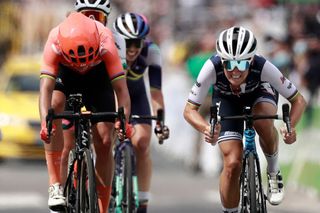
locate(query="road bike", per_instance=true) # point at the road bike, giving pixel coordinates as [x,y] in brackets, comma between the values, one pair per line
[252,197]
[80,187]
[124,197]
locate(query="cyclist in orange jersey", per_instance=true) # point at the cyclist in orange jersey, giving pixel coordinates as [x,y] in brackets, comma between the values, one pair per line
[99,11]
[80,57]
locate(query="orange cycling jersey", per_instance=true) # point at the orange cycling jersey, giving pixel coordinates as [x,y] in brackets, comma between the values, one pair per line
[108,54]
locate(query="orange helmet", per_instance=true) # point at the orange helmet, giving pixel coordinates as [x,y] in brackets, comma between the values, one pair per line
[79,40]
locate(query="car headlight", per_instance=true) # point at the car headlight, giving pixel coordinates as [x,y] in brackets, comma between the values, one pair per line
[11,120]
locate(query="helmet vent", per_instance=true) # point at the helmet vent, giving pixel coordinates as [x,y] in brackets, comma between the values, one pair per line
[81,50]
[245,41]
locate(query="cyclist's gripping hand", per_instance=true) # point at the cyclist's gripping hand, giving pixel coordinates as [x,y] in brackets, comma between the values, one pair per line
[44,132]
[162,133]
[208,137]
[120,134]
[288,138]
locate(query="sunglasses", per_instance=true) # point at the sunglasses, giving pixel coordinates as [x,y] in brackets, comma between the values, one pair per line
[137,43]
[242,65]
[96,15]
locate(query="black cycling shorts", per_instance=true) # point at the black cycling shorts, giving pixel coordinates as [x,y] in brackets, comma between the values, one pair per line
[95,87]
[233,105]
[139,100]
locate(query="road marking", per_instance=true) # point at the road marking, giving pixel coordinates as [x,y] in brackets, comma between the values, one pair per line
[17,200]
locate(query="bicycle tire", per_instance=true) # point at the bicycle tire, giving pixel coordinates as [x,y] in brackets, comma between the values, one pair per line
[69,188]
[87,185]
[128,199]
[244,191]
[261,200]
[252,182]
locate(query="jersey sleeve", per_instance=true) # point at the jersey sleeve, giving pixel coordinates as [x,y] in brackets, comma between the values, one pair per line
[50,57]
[155,66]
[206,78]
[121,46]
[277,80]
[109,54]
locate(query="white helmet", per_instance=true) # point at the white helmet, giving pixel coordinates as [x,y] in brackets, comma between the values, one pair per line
[102,5]
[132,26]
[236,43]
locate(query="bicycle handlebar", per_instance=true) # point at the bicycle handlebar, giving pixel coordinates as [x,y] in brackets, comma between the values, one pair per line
[101,115]
[159,118]
[74,116]
[215,117]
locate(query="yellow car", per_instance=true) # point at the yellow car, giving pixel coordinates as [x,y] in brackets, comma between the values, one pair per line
[19,114]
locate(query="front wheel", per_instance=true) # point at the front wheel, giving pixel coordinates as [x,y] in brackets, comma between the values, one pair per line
[128,201]
[88,195]
[252,183]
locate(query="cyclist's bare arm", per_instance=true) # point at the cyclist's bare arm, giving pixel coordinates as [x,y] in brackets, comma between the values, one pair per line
[157,100]
[298,105]
[192,115]
[123,98]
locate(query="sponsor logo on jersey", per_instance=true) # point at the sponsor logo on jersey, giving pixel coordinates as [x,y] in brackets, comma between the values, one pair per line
[282,79]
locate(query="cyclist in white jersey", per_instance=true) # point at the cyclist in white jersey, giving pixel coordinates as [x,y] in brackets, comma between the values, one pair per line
[242,78]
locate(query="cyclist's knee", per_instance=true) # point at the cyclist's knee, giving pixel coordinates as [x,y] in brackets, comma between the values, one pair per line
[143,144]
[233,168]
[103,144]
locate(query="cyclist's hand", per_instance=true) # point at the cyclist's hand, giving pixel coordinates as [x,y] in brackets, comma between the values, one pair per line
[44,132]
[208,137]
[120,134]
[288,138]
[162,133]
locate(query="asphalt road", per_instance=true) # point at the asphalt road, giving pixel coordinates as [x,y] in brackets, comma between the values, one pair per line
[23,189]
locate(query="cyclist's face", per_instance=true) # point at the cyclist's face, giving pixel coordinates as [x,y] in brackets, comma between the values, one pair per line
[236,71]
[236,77]
[134,47]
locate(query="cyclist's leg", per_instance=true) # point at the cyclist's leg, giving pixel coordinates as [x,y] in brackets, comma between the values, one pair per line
[229,179]
[266,103]
[68,136]
[103,135]
[53,153]
[267,132]
[268,135]
[230,143]
[99,97]
[141,141]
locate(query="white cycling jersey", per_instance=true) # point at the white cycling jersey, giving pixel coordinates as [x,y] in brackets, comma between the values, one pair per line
[121,46]
[261,71]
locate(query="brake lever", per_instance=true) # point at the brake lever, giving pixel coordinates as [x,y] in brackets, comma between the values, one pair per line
[160,120]
[122,118]
[286,116]
[49,119]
